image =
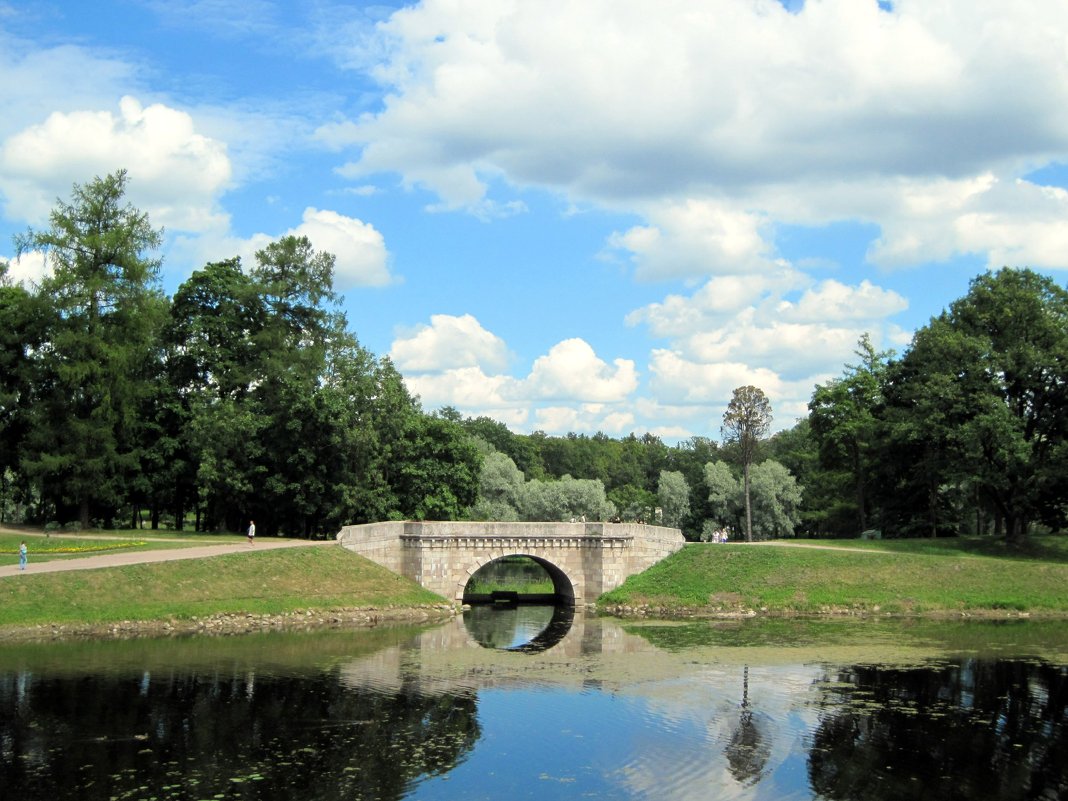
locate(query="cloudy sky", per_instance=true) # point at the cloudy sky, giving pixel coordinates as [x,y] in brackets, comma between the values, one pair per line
[569,216]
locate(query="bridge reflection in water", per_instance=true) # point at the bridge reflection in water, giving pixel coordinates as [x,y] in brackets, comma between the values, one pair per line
[451,658]
[528,628]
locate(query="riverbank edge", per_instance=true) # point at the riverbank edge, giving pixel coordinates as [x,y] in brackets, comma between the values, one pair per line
[238,623]
[639,611]
[234,623]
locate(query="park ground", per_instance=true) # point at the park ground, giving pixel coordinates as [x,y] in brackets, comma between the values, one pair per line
[122,582]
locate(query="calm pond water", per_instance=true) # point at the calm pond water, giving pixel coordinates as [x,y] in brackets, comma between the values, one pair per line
[529,703]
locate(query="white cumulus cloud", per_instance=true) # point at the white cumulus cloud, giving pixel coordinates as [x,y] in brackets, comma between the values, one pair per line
[714,121]
[28,269]
[361,258]
[176,173]
[571,369]
[448,343]
[359,249]
[456,362]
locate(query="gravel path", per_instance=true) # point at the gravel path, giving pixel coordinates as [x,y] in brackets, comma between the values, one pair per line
[119,558]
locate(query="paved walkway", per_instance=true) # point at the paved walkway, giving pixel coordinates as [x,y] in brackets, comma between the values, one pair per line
[119,558]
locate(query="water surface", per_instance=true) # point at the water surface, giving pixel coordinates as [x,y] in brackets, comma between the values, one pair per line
[761,710]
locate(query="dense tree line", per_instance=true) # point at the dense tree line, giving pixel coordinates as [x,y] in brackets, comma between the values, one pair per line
[966,432]
[242,397]
[245,396]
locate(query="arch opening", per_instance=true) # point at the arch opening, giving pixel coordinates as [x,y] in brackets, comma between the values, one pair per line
[518,578]
[518,602]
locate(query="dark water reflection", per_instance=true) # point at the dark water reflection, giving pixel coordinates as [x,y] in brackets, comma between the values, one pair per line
[765,711]
[192,734]
[968,729]
[530,628]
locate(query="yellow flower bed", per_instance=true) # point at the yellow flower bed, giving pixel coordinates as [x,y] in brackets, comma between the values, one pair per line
[109,546]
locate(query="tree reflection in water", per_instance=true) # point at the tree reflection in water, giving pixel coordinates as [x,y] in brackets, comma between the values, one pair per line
[203,735]
[982,730]
[748,751]
[423,715]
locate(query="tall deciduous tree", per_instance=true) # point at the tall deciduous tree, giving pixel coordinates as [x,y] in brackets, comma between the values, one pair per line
[983,395]
[93,374]
[776,500]
[499,485]
[843,414]
[673,493]
[723,492]
[747,419]
[438,472]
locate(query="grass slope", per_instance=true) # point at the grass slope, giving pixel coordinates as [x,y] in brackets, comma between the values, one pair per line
[262,582]
[904,577]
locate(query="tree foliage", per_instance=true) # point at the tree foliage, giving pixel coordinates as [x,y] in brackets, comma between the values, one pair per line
[724,494]
[776,500]
[94,368]
[844,419]
[979,405]
[673,493]
[774,492]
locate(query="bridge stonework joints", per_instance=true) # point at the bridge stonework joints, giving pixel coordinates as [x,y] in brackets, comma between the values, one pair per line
[584,560]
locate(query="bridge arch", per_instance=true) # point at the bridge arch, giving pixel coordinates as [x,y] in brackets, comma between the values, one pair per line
[442,555]
[563,585]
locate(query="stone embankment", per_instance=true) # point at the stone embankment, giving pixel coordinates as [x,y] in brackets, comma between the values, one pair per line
[236,623]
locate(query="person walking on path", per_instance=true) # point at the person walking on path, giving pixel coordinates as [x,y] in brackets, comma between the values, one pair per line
[251,532]
[22,556]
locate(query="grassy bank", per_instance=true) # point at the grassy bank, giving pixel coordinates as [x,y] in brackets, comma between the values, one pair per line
[261,583]
[903,577]
[969,577]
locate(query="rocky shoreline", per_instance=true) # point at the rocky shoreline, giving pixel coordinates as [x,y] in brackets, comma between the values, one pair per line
[227,624]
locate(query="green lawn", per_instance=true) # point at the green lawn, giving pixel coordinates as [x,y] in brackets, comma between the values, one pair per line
[260,582]
[1035,549]
[903,577]
[896,577]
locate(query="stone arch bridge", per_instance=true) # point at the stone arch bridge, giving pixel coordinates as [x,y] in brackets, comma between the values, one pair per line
[584,560]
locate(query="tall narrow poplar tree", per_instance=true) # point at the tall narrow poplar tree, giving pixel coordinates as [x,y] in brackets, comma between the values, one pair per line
[747,419]
[92,372]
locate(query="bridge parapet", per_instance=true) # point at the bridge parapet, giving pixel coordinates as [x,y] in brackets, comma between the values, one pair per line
[584,560]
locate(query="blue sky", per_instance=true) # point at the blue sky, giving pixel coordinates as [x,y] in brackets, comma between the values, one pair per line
[596,216]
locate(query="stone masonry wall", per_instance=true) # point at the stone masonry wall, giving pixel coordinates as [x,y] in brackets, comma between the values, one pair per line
[584,559]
